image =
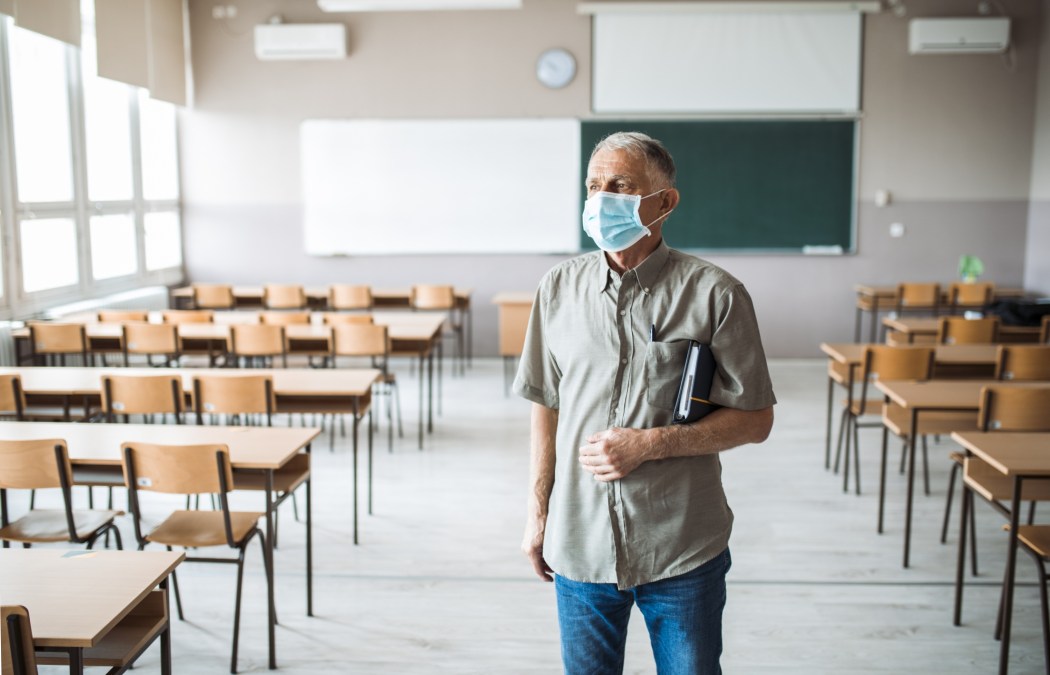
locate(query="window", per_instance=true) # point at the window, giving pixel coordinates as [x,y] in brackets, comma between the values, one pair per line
[49,253]
[113,246]
[107,131]
[160,164]
[163,240]
[40,104]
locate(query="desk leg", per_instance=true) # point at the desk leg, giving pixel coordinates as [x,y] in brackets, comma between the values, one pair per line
[76,661]
[874,318]
[370,428]
[430,388]
[827,437]
[470,334]
[858,313]
[165,636]
[357,421]
[422,360]
[911,483]
[441,375]
[271,607]
[1008,585]
[309,542]
[960,564]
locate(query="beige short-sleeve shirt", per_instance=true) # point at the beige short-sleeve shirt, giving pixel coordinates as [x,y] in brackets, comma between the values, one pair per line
[605,351]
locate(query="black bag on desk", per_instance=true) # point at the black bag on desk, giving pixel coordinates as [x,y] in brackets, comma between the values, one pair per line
[694,390]
[1019,312]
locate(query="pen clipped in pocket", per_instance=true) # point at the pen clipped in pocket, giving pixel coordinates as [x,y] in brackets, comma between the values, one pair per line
[663,372]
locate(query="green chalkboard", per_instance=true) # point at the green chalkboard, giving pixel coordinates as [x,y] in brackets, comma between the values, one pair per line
[752,185]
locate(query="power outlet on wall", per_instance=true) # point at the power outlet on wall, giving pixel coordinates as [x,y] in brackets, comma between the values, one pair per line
[896,229]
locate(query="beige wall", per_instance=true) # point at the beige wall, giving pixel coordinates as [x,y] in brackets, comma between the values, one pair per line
[1037,265]
[949,136]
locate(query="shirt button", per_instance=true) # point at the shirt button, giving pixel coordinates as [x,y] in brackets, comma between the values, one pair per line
[622,312]
[624,361]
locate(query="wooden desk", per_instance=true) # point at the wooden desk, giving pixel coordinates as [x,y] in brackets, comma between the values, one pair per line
[514,311]
[844,358]
[77,598]
[923,327]
[924,397]
[1019,456]
[872,299]
[414,334]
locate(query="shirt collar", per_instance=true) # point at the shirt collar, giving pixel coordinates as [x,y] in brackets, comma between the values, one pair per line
[648,271]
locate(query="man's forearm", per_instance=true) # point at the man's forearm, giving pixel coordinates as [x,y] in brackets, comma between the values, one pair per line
[721,430]
[542,457]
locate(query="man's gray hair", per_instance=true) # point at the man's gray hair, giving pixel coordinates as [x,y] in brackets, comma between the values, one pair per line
[658,161]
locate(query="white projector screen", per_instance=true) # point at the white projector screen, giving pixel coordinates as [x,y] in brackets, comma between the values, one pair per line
[780,63]
[440,186]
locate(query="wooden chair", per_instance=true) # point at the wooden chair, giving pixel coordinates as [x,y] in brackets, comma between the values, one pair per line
[970,297]
[39,464]
[878,362]
[234,396]
[283,296]
[149,395]
[955,330]
[428,297]
[122,316]
[17,654]
[50,343]
[213,296]
[924,298]
[346,297]
[1023,362]
[1035,540]
[258,343]
[178,316]
[332,319]
[284,318]
[1044,331]
[370,341]
[149,340]
[12,398]
[1004,409]
[189,470]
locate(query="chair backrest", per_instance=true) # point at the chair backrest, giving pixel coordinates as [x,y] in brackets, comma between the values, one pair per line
[122,316]
[17,655]
[345,296]
[284,318]
[956,330]
[1014,408]
[34,465]
[233,395]
[12,398]
[973,295]
[1023,362]
[332,319]
[150,338]
[177,469]
[213,296]
[58,338]
[886,362]
[257,340]
[177,316]
[428,296]
[925,296]
[360,339]
[141,395]
[283,296]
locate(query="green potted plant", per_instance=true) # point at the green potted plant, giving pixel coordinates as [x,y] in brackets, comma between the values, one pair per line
[970,268]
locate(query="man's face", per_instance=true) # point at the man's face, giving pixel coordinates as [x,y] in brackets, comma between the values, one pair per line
[617,171]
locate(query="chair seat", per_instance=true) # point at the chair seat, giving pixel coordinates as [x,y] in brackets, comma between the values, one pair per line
[898,420]
[286,479]
[986,481]
[105,476]
[198,529]
[1036,538]
[49,525]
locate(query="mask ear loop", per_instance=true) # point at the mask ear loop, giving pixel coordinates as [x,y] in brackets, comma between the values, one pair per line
[656,220]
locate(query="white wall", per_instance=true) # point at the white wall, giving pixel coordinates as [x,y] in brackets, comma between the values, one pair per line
[950,136]
[1037,260]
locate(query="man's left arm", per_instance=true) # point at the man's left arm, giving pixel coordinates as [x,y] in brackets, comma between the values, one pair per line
[614,453]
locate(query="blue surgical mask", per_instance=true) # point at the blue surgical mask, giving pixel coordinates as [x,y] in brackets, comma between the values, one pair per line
[612,221]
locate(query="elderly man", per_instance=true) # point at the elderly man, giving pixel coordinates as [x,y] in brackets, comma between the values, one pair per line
[624,506]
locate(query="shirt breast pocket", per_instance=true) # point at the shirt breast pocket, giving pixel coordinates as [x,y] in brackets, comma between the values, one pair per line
[663,372]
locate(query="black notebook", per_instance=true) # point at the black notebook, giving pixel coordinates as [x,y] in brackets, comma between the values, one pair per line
[695,388]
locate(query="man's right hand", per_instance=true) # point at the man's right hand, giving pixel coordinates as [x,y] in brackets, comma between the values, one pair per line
[532,547]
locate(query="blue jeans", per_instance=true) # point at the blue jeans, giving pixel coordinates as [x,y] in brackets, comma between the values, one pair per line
[683,615]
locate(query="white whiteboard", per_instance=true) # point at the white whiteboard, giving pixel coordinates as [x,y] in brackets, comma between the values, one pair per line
[748,62]
[440,186]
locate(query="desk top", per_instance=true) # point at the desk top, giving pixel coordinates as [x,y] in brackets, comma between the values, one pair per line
[76,597]
[255,292]
[286,381]
[928,326]
[1010,452]
[851,353]
[250,447]
[944,394]
[514,298]
[890,292]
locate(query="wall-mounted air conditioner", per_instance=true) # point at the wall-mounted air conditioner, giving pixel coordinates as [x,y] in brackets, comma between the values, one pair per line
[959,36]
[300,41]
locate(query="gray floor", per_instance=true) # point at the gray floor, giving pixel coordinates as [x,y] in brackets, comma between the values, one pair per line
[437,584]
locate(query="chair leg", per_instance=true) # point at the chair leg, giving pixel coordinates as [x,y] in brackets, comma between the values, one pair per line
[925,466]
[237,610]
[842,430]
[400,427]
[856,457]
[1044,603]
[178,596]
[948,501]
[973,541]
[295,508]
[1031,517]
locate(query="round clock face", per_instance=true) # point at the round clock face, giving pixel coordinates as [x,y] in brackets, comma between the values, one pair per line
[555,68]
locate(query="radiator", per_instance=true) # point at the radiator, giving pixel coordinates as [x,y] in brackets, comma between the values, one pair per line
[7,343]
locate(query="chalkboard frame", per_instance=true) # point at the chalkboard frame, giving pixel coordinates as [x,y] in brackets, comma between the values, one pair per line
[840,168]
